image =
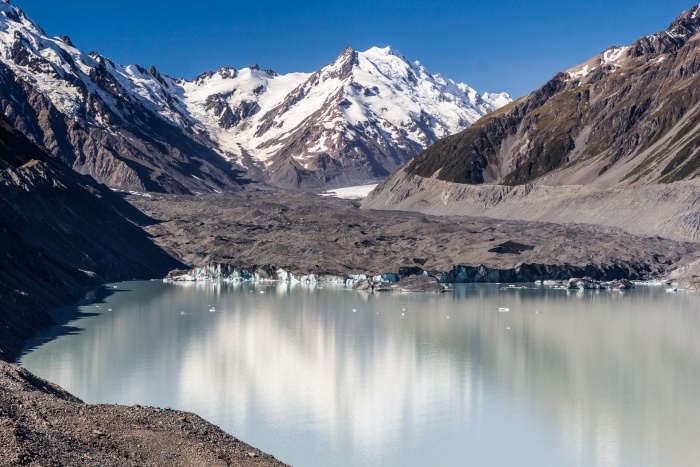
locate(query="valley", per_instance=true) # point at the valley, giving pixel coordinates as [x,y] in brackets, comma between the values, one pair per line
[115,173]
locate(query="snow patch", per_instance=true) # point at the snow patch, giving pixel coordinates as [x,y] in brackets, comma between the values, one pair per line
[351,192]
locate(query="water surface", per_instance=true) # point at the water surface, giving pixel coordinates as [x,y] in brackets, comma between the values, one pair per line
[327,376]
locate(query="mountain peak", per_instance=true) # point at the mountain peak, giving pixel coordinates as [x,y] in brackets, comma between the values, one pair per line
[347,55]
[342,66]
[687,23]
[670,40]
[386,51]
[65,39]
[692,14]
[357,118]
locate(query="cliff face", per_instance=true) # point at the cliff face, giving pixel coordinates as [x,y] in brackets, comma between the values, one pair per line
[61,232]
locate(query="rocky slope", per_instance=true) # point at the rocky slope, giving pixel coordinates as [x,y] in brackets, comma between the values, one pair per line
[119,124]
[668,210]
[628,116]
[61,232]
[356,119]
[41,424]
[627,119]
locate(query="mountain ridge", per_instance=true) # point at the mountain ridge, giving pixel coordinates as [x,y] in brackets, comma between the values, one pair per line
[559,126]
[138,129]
[606,142]
[330,119]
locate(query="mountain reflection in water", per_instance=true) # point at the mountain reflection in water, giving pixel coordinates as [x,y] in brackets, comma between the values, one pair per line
[563,378]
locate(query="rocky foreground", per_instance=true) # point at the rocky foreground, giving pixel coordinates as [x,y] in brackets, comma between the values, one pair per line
[41,424]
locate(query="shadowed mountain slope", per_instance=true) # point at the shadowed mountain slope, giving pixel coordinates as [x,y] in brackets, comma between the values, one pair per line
[61,232]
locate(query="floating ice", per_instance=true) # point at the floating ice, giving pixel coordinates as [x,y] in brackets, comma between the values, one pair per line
[504,310]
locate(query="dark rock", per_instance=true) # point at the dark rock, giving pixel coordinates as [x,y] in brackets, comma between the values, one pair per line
[513,248]
[621,284]
[66,40]
[363,285]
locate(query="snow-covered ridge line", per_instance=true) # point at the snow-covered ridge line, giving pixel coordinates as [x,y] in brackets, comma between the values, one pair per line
[614,57]
[356,119]
[257,112]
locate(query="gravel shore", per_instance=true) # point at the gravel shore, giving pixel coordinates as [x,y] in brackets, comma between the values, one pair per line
[43,425]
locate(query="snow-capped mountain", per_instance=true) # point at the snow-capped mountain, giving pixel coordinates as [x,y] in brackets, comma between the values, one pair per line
[122,125]
[356,119]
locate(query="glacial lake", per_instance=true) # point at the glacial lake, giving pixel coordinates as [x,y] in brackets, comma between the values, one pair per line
[326,376]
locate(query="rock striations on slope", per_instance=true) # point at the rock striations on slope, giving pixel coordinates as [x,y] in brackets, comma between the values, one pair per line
[357,119]
[61,232]
[119,124]
[614,141]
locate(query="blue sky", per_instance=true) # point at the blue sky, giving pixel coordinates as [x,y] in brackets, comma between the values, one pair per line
[492,45]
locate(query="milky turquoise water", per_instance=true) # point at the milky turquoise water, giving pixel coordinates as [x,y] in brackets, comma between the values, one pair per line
[324,376]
